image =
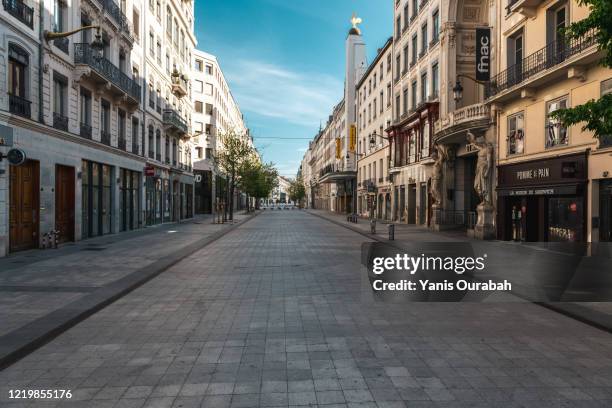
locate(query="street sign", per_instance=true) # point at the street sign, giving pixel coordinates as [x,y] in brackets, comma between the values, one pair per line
[6,136]
[149,171]
[483,53]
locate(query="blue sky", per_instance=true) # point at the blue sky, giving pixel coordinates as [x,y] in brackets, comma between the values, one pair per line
[284,61]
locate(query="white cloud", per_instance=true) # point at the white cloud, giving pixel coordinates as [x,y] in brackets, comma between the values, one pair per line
[269,90]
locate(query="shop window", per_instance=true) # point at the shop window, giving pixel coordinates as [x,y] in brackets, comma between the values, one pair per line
[606,89]
[565,219]
[556,133]
[516,134]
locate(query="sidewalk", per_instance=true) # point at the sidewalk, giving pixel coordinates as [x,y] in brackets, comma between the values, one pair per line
[597,314]
[44,292]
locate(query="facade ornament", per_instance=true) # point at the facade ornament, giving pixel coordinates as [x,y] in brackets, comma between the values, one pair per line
[484,164]
[355,21]
[440,157]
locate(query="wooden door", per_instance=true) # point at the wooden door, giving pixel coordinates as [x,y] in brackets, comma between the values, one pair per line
[64,202]
[23,206]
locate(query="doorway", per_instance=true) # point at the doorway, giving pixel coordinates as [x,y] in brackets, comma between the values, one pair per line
[64,202]
[412,192]
[24,206]
[605,211]
[423,203]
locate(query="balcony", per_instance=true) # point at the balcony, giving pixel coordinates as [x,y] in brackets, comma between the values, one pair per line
[20,106]
[524,7]
[179,85]
[174,122]
[103,72]
[19,10]
[151,154]
[60,121]
[453,127]
[85,131]
[105,137]
[122,143]
[117,17]
[543,66]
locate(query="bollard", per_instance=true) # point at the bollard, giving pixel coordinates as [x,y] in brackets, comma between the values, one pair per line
[391,232]
[44,241]
[56,236]
[372,226]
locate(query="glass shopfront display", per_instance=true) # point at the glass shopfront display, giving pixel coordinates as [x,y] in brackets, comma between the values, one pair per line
[605,210]
[97,199]
[544,200]
[129,200]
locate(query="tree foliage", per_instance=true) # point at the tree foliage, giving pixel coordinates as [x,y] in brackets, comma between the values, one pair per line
[595,114]
[297,190]
[258,179]
[236,152]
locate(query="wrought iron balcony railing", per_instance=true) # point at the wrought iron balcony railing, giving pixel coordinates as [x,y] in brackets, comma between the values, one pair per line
[546,58]
[60,121]
[85,131]
[83,54]
[151,154]
[114,11]
[19,10]
[105,137]
[135,149]
[20,106]
[172,119]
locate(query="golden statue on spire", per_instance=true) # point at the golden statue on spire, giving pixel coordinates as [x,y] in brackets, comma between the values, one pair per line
[356,20]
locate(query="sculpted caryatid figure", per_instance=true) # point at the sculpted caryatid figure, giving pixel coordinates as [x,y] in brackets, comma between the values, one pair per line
[440,157]
[482,180]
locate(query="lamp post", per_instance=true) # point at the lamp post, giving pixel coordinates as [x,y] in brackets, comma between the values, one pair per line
[51,35]
[458,88]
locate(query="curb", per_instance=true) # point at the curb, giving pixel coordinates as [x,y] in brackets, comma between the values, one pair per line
[22,341]
[572,310]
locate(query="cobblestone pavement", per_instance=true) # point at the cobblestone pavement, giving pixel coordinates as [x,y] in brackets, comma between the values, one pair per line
[276,313]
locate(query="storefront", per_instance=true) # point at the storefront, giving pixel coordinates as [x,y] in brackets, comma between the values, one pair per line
[605,211]
[97,199]
[203,192]
[543,200]
[129,200]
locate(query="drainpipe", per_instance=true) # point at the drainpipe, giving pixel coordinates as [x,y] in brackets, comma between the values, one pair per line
[41,38]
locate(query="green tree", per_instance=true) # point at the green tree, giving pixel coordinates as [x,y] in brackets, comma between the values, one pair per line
[258,179]
[235,153]
[595,114]
[297,190]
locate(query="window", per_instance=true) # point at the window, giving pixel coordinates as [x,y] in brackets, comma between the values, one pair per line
[151,141]
[208,129]
[199,127]
[199,86]
[424,87]
[60,101]
[169,22]
[397,106]
[556,133]
[435,22]
[152,44]
[516,135]
[158,10]
[17,81]
[85,105]
[405,100]
[406,17]
[414,49]
[209,89]
[398,27]
[398,67]
[515,57]
[424,43]
[435,80]
[606,89]
[159,52]
[381,101]
[209,153]
[199,107]
[388,94]
[413,91]
[121,128]
[209,69]
[105,116]
[199,65]
[199,152]
[405,59]
[388,62]
[209,109]
[415,8]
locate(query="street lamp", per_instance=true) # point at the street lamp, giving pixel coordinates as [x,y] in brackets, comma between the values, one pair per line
[458,88]
[51,35]
[373,137]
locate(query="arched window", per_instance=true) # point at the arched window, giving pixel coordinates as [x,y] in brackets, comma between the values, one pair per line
[19,61]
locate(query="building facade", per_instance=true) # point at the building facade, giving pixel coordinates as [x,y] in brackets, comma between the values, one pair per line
[416,84]
[553,181]
[374,115]
[77,111]
[215,113]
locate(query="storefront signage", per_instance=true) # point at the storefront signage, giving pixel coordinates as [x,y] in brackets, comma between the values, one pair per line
[539,173]
[543,173]
[149,171]
[483,53]
[6,136]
